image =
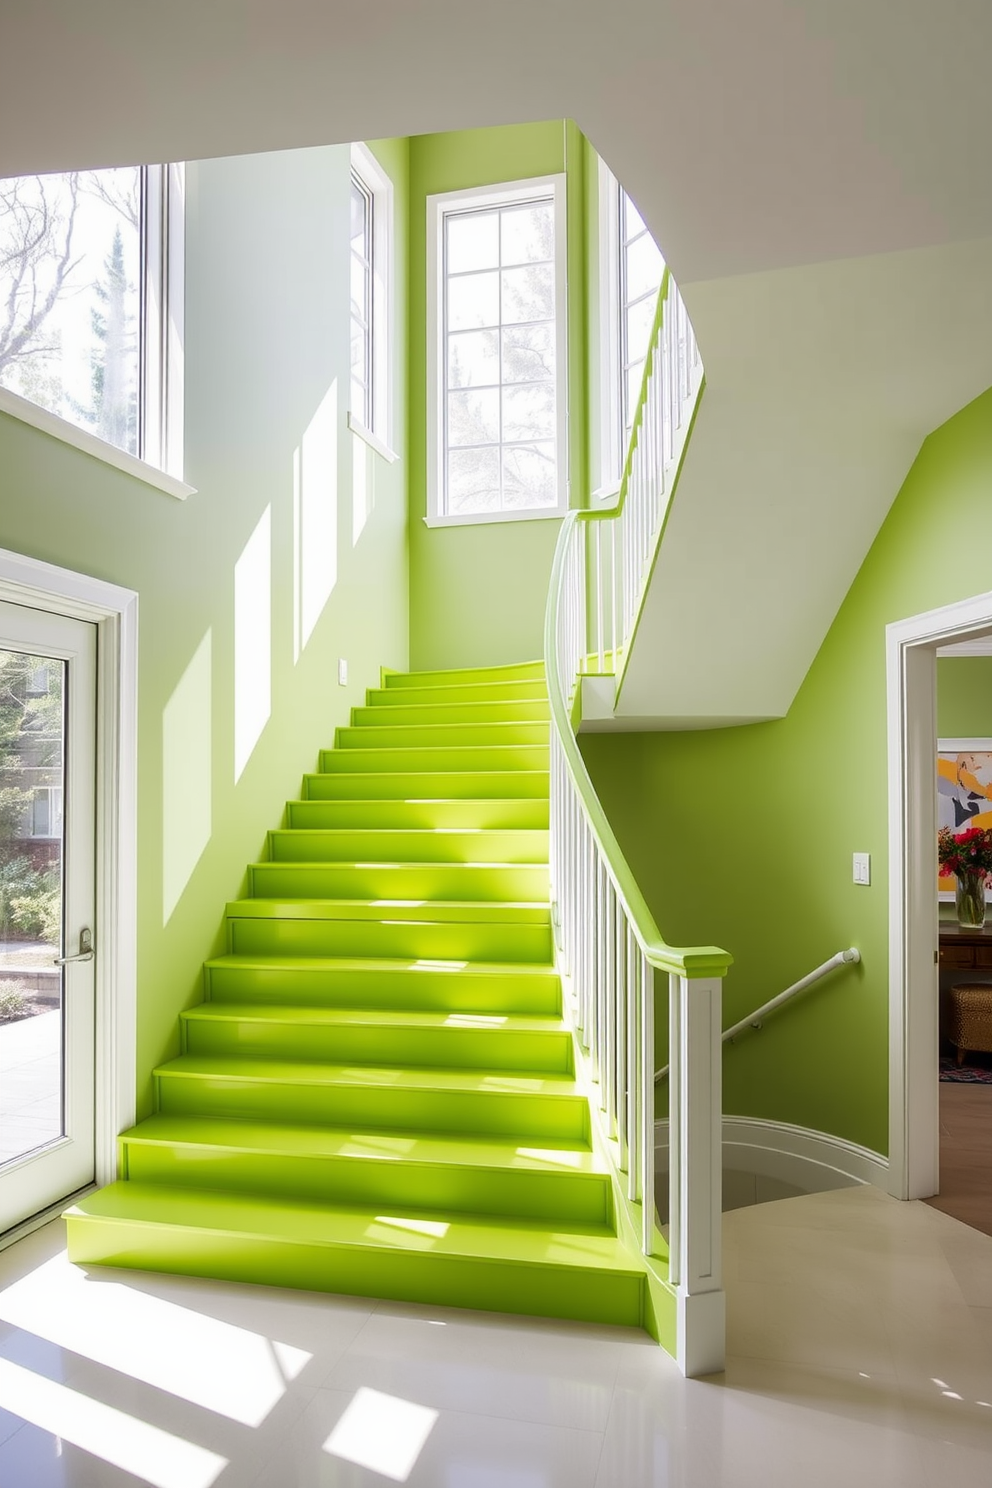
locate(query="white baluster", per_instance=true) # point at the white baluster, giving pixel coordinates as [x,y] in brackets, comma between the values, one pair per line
[633,1023]
[647,1104]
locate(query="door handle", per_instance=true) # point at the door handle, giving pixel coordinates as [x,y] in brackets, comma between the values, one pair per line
[85,952]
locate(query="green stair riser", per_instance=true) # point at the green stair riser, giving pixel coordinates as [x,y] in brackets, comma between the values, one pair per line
[398,989]
[392,1186]
[428,784]
[519,711]
[435,759]
[408,939]
[391,735]
[523,671]
[424,881]
[365,1106]
[458,692]
[404,1276]
[413,816]
[371,1043]
[337,845]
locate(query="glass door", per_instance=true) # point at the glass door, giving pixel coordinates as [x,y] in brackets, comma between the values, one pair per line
[47,931]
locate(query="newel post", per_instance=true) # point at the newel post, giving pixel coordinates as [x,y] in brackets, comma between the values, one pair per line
[696,1171]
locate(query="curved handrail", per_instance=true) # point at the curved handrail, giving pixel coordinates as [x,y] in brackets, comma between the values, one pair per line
[687,961]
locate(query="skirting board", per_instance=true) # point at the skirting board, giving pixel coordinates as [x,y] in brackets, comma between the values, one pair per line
[810,1160]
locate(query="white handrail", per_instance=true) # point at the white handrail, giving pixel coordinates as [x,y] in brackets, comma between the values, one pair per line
[755,1019]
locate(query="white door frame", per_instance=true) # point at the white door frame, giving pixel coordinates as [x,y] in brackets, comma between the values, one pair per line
[911,686]
[114,612]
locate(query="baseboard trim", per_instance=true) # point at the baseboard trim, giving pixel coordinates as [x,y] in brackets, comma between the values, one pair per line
[811,1160]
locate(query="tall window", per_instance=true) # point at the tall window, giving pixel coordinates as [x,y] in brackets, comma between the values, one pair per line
[497,338]
[371,258]
[362,349]
[631,270]
[641,268]
[88,328]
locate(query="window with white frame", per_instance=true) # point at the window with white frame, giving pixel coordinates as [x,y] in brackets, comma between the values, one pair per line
[497,351]
[370,267]
[631,270]
[91,311]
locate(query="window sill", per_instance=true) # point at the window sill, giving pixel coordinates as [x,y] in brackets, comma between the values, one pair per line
[372,440]
[90,444]
[543,514]
[606,493]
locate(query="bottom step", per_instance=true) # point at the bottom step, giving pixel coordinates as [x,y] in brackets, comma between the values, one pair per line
[578,1272]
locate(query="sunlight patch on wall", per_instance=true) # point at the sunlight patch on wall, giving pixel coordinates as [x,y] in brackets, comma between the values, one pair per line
[252,641]
[186,776]
[362,471]
[315,519]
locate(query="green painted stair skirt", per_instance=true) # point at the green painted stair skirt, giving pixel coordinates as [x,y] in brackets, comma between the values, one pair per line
[378,1095]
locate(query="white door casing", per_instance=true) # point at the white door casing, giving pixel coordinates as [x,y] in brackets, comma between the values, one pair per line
[113,611]
[54,1156]
[911,685]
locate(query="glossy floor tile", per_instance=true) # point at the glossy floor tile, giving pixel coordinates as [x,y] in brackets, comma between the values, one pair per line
[860,1335]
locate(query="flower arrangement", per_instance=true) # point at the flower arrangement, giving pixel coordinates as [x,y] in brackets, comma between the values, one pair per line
[965,852]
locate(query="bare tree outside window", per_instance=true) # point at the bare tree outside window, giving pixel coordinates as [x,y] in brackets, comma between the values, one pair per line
[70,297]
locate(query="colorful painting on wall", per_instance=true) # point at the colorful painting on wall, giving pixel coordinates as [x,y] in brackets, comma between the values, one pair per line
[964,792]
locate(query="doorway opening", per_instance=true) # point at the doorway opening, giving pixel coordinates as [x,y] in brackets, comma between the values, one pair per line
[916,916]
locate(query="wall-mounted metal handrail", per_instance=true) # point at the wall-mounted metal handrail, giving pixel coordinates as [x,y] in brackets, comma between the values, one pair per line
[755,1019]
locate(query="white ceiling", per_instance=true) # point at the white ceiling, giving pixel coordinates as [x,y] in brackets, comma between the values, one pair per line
[753,135]
[763,142]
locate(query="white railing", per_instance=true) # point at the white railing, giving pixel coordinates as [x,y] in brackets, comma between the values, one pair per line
[623,548]
[609,944]
[755,1019]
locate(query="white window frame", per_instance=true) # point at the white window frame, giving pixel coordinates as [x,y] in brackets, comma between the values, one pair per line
[377,185]
[162,298]
[613,441]
[482,197]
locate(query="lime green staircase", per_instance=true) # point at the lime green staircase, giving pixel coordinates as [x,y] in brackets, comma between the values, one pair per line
[378,1095]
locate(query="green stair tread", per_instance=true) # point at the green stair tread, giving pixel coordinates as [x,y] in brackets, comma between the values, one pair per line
[345,964]
[392,785]
[386,1018]
[382,1077]
[479,814]
[429,711]
[515,912]
[509,671]
[405,865]
[482,841]
[428,1148]
[531,1242]
[447,759]
[575,1247]
[454,693]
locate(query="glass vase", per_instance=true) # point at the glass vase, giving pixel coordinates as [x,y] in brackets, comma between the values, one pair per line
[969,899]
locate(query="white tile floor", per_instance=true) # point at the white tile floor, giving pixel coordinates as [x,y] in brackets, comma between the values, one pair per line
[860,1357]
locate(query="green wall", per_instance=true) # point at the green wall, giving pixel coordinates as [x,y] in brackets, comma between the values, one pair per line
[964,697]
[266,347]
[478,593]
[744,836]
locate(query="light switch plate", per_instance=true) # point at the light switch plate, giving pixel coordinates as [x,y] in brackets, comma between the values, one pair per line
[862,868]
[343,673]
